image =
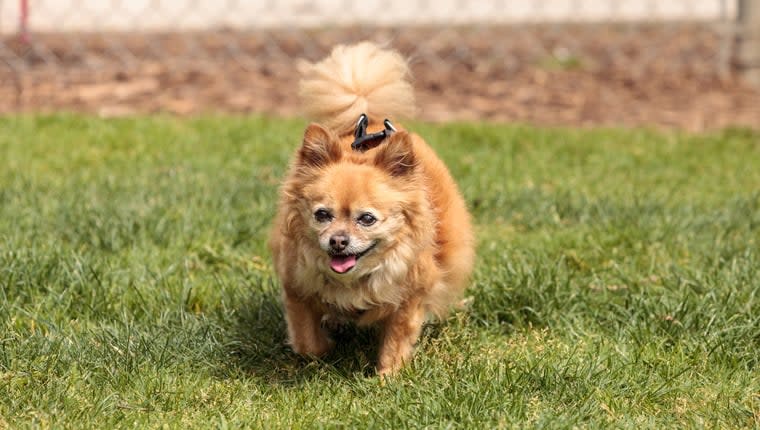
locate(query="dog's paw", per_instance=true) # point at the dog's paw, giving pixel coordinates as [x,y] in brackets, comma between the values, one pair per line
[312,347]
[388,372]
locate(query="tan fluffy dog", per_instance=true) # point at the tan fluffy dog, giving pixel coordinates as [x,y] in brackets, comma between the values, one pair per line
[375,237]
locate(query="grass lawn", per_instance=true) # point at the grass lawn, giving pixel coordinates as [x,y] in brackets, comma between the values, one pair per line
[617,282]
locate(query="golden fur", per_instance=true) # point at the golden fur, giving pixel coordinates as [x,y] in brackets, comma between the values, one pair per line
[381,236]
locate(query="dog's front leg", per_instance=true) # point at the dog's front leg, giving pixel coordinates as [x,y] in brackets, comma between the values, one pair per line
[401,331]
[305,333]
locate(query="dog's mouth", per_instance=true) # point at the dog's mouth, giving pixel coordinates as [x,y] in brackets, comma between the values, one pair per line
[343,263]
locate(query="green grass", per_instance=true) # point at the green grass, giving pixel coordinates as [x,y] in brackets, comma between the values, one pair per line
[617,282]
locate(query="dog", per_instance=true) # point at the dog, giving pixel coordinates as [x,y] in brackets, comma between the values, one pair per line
[370,228]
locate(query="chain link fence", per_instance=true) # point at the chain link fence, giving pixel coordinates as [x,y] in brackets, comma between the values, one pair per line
[574,62]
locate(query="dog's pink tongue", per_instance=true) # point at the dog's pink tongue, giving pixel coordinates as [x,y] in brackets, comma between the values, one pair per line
[343,264]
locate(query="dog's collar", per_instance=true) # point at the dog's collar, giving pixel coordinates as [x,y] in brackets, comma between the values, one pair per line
[364,141]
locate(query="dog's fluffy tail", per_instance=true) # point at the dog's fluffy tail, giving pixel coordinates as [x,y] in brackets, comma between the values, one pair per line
[356,79]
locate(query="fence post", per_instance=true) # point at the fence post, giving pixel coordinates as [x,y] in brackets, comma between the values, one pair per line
[748,40]
[23,22]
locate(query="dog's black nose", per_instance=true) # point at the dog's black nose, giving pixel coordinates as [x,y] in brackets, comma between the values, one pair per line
[339,241]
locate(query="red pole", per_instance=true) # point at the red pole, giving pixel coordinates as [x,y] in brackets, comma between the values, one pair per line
[23,24]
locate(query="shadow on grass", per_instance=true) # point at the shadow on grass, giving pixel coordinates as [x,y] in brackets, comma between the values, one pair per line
[257,347]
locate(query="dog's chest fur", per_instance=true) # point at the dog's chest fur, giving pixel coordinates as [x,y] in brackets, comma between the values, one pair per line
[379,287]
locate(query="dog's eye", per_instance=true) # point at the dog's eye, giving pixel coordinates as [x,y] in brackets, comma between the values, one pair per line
[366,219]
[323,215]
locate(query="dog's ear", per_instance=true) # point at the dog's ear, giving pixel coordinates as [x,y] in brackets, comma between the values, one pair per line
[320,147]
[396,156]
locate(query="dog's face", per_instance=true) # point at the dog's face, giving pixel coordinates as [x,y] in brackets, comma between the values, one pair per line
[352,215]
[355,208]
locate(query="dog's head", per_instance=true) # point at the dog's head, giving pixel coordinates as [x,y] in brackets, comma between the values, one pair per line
[359,211]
